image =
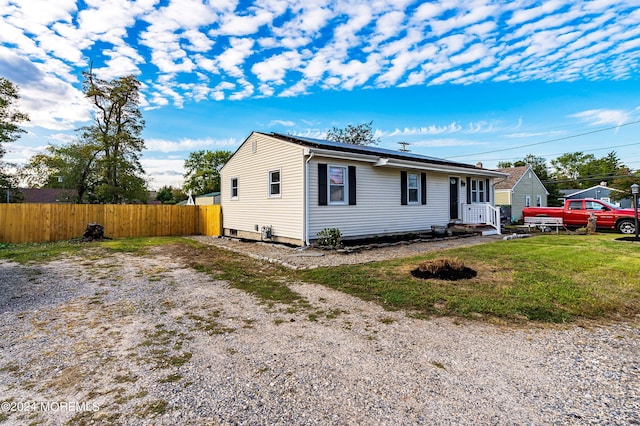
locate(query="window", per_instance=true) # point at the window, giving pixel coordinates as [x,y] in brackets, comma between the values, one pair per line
[337,188]
[274,183]
[336,185]
[593,205]
[413,188]
[575,205]
[479,191]
[527,200]
[234,188]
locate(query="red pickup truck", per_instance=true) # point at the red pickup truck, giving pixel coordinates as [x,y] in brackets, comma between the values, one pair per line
[576,213]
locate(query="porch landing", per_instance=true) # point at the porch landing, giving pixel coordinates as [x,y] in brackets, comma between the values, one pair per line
[481,229]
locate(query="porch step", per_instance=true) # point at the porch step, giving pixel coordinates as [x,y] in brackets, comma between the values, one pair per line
[479,228]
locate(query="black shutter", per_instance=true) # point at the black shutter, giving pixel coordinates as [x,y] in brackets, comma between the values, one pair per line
[352,185]
[486,187]
[423,187]
[403,188]
[322,184]
[468,190]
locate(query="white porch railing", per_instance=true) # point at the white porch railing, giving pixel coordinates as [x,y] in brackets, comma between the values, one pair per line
[484,214]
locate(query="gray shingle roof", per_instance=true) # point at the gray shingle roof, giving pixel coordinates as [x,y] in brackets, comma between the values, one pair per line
[362,149]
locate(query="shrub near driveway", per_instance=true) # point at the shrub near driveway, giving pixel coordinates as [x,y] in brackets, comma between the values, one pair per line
[550,278]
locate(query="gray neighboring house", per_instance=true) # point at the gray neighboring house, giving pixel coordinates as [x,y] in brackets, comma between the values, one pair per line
[522,188]
[598,192]
[287,188]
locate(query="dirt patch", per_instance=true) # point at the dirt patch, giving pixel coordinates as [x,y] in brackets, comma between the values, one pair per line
[444,269]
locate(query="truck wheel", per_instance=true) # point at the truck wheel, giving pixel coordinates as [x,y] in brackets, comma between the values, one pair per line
[627,226]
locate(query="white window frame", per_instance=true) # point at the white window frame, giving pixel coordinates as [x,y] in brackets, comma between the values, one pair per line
[527,200]
[479,194]
[279,183]
[410,188]
[232,188]
[538,200]
[345,185]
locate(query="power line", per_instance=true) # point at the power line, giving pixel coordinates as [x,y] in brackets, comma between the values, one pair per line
[548,141]
[561,153]
[587,178]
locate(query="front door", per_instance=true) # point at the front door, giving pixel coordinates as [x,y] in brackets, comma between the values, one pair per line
[453,198]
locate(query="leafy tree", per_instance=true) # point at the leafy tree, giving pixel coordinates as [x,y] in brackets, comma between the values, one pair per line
[170,195]
[202,171]
[505,164]
[538,164]
[10,117]
[567,169]
[361,134]
[178,194]
[599,170]
[116,131]
[164,195]
[73,166]
[625,177]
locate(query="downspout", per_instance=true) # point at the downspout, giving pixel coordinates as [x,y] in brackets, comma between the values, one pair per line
[306,198]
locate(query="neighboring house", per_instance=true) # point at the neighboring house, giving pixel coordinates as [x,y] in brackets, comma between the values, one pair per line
[598,192]
[287,189]
[208,199]
[47,195]
[522,188]
[61,195]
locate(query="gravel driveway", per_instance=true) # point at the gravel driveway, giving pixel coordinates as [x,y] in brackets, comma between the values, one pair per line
[126,339]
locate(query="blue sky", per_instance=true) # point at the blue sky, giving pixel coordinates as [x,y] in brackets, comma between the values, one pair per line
[469,80]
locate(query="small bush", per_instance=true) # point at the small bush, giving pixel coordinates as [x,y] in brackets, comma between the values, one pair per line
[437,265]
[330,237]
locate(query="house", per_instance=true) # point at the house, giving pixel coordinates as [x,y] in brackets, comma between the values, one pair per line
[288,188]
[598,192]
[522,188]
[208,199]
[62,196]
[47,195]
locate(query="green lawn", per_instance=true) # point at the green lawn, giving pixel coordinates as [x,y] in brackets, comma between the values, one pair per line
[547,278]
[550,278]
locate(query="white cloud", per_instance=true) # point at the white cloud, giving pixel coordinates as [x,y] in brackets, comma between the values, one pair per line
[232,59]
[598,117]
[163,172]
[443,143]
[225,49]
[284,123]
[275,68]
[184,145]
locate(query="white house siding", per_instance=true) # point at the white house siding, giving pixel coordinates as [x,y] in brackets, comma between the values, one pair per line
[254,206]
[378,210]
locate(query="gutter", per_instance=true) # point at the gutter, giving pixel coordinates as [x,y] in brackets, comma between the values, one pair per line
[309,154]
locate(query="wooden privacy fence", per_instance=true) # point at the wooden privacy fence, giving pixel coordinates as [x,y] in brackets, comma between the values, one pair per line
[25,223]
